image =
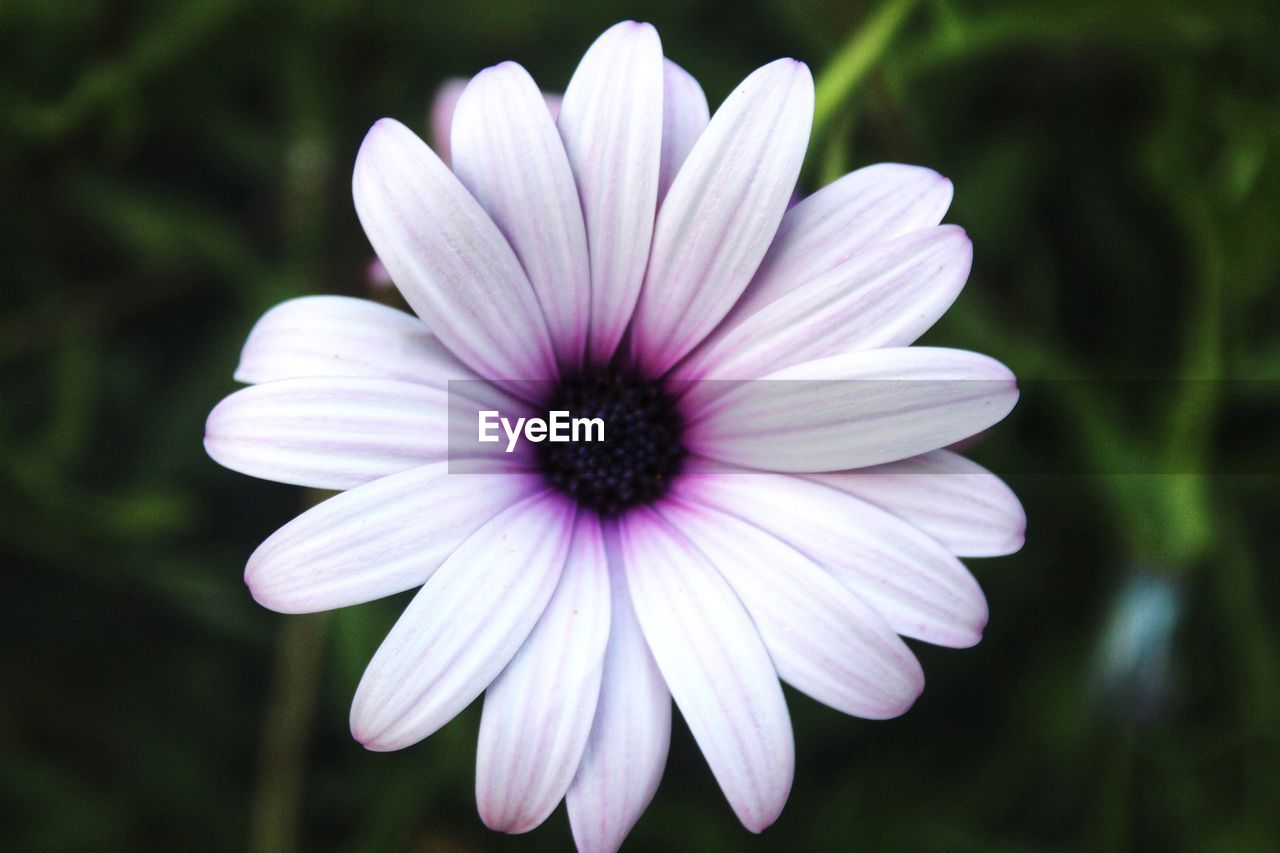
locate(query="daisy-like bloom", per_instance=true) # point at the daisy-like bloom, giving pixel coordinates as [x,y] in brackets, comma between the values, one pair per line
[728,535]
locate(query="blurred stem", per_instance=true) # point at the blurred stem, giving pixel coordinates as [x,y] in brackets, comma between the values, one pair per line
[286,728]
[835,151]
[1191,419]
[305,202]
[849,67]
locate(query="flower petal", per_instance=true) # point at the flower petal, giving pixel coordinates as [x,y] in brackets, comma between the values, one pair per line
[448,258]
[464,625]
[715,665]
[958,502]
[822,638]
[825,230]
[507,152]
[684,117]
[722,211]
[611,123]
[919,588]
[378,539]
[886,296]
[329,432]
[538,712]
[627,750]
[342,336]
[852,410]
[554,103]
[442,108]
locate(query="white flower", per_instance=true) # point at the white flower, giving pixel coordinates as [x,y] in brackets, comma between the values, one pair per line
[728,535]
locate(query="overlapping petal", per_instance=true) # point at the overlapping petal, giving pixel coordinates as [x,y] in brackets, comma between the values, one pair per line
[823,639]
[329,432]
[611,124]
[441,117]
[919,587]
[715,664]
[448,258]
[342,336]
[381,538]
[464,625]
[849,411]
[958,502]
[538,712]
[721,212]
[827,229]
[507,152]
[885,296]
[627,749]
[684,117]
[442,110]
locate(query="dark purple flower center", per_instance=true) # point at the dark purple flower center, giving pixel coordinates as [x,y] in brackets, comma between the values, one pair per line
[641,451]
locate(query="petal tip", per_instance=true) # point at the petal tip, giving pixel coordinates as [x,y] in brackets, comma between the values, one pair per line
[914,690]
[1018,537]
[976,632]
[370,740]
[787,66]
[901,697]
[381,133]
[265,594]
[384,125]
[501,69]
[758,823]
[212,433]
[270,587]
[632,29]
[953,233]
[761,812]
[509,823]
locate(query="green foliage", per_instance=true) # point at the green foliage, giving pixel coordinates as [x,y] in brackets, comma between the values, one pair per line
[171,169]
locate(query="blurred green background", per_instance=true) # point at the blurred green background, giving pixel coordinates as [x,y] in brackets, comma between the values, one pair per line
[172,169]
